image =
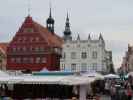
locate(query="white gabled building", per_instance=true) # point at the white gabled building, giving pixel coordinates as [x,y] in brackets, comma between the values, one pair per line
[84,55]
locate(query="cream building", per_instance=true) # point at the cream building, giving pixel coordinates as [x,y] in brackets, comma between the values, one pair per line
[84,55]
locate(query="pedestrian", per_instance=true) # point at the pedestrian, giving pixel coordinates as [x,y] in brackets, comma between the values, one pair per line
[113,92]
[107,87]
[129,92]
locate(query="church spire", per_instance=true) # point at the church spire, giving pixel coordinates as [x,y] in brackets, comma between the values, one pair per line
[67,31]
[78,38]
[50,22]
[89,37]
[50,15]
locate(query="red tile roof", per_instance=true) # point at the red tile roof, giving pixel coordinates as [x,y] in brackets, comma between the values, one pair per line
[51,38]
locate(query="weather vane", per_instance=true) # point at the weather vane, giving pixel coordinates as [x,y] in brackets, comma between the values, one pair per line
[29,7]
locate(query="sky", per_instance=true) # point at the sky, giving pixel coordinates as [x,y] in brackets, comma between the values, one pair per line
[112,18]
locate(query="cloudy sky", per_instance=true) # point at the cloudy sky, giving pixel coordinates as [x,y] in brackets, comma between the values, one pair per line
[113,18]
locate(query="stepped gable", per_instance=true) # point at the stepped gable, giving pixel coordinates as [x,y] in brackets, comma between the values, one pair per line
[51,39]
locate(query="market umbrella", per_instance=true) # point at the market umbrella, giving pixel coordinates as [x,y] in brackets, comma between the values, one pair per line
[94,75]
[111,76]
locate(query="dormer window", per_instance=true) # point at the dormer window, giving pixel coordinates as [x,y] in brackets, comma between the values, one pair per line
[28,30]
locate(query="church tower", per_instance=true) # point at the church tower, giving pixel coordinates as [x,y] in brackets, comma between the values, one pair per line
[50,22]
[67,32]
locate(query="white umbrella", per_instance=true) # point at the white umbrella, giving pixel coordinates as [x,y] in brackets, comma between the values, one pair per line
[94,75]
[111,76]
[129,74]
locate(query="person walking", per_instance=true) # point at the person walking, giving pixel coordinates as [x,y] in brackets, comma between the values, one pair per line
[113,92]
[107,87]
[129,93]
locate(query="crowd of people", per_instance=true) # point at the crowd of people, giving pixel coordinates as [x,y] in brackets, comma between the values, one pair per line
[121,91]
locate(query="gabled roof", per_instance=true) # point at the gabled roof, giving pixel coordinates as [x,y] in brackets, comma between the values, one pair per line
[3,47]
[51,38]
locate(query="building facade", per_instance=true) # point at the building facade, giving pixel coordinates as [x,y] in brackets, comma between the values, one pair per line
[34,47]
[127,63]
[84,55]
[3,56]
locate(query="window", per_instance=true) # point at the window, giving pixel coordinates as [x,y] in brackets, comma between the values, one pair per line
[41,48]
[37,48]
[31,48]
[14,49]
[37,39]
[84,55]
[73,67]
[94,66]
[64,55]
[25,60]
[12,60]
[38,60]
[31,60]
[24,48]
[28,30]
[43,60]
[24,39]
[18,48]
[73,55]
[31,39]
[19,39]
[94,55]
[83,67]
[78,45]
[18,60]
[63,67]
[67,46]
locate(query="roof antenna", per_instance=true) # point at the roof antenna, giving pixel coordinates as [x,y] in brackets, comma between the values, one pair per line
[29,8]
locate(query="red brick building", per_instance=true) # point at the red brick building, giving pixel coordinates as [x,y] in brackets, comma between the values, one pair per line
[34,47]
